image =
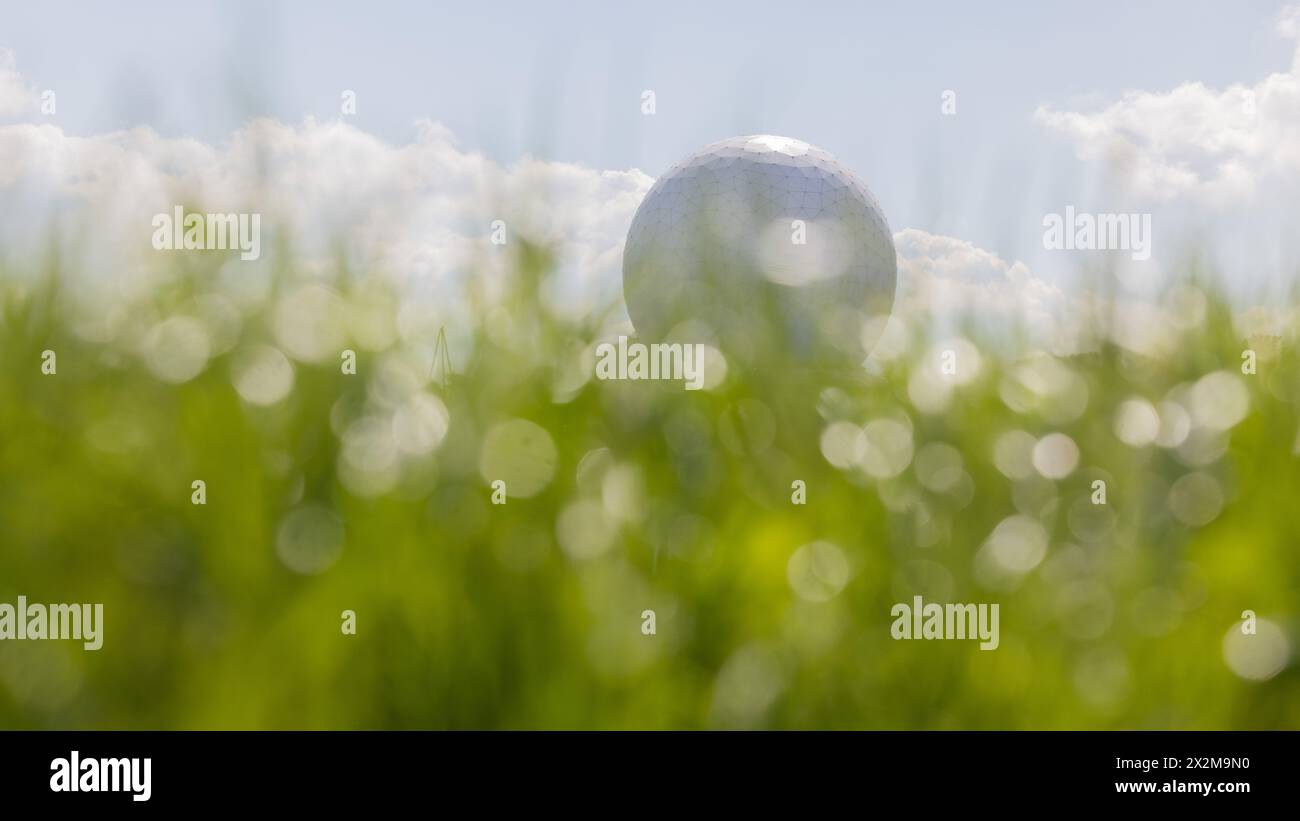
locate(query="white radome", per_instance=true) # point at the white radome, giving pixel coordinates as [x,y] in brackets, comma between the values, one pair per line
[760,240]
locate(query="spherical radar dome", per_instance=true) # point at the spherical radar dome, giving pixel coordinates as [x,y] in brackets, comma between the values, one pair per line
[767,244]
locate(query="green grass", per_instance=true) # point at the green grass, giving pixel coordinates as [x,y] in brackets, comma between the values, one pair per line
[528,614]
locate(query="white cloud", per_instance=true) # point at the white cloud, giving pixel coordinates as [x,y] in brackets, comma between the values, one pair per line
[17,96]
[1216,145]
[947,280]
[420,212]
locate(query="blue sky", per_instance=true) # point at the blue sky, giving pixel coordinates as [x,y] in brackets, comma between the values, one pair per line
[562,82]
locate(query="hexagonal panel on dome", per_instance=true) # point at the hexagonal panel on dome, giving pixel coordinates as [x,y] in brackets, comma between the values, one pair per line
[760,238]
